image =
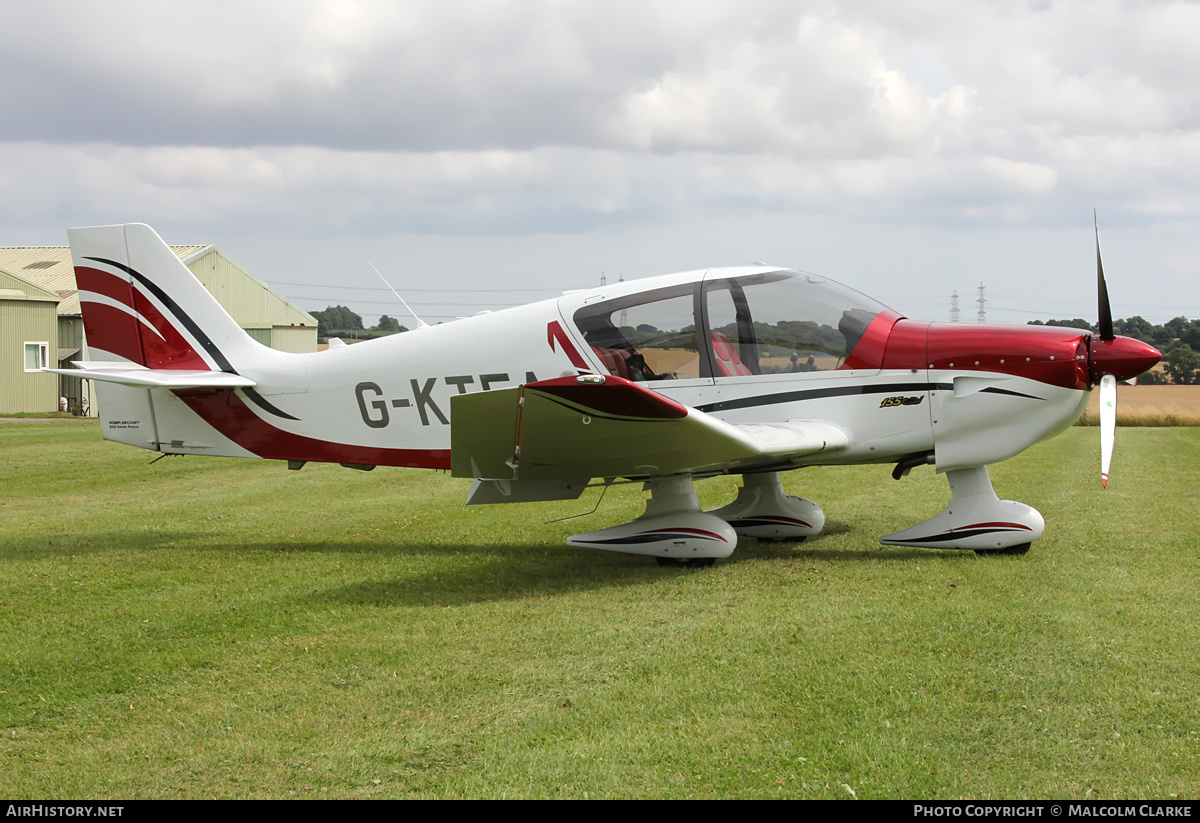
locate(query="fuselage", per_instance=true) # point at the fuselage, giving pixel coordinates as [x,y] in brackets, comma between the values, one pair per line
[747,344]
[750,370]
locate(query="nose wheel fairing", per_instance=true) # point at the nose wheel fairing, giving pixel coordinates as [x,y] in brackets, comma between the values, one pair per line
[974,519]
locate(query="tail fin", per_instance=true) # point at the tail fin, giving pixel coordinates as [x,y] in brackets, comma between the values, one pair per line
[141,304]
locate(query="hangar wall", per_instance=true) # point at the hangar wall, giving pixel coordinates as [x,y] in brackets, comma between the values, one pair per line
[39,304]
[28,326]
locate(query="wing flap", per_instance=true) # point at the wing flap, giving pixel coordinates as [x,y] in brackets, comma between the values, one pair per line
[592,426]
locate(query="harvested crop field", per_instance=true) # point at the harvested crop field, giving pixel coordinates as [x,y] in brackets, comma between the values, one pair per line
[1151,405]
[1160,398]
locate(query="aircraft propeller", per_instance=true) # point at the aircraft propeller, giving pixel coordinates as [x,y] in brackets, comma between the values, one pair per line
[1112,358]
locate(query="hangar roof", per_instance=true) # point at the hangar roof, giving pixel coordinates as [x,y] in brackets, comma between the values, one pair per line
[50,268]
[15,287]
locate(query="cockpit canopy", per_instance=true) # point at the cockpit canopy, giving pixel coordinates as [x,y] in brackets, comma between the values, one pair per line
[770,322]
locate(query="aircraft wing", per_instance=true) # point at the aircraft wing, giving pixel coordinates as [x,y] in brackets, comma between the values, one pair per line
[603,426]
[131,374]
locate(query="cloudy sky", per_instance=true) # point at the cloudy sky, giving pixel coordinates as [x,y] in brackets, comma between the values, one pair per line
[488,153]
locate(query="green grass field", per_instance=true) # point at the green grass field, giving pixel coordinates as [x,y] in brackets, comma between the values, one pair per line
[223,628]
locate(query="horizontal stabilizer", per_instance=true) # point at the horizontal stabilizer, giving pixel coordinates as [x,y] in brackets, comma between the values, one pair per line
[597,426]
[130,374]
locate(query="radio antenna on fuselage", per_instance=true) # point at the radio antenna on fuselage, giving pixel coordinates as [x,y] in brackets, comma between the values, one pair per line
[420,323]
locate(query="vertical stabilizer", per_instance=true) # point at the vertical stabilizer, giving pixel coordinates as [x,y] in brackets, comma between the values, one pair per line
[141,304]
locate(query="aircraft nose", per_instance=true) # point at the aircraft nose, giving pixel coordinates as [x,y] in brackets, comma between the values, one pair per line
[1122,357]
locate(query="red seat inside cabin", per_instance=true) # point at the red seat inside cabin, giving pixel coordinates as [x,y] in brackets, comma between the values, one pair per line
[614,360]
[728,362]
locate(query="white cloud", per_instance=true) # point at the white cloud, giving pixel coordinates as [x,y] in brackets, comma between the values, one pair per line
[1027,176]
[525,118]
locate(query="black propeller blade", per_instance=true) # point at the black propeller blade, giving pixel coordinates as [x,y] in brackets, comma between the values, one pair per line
[1105,321]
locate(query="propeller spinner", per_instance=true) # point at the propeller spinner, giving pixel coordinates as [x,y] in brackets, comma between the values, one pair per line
[1112,358]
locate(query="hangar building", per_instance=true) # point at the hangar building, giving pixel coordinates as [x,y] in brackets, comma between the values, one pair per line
[41,324]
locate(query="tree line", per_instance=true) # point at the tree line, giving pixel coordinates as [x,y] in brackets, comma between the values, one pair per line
[340,321]
[1177,339]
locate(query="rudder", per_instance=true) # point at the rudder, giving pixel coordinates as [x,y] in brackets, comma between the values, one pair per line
[141,304]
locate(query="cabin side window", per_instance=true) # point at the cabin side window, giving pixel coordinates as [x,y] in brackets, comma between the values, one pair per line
[645,337]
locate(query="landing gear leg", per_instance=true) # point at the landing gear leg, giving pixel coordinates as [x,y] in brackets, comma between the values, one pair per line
[763,510]
[975,519]
[673,528]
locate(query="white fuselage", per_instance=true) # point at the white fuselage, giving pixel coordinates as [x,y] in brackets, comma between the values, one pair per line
[388,400]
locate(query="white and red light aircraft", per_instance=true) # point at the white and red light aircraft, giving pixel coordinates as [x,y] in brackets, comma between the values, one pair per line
[749,370]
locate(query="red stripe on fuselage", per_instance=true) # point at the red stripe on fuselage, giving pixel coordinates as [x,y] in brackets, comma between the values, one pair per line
[226,412]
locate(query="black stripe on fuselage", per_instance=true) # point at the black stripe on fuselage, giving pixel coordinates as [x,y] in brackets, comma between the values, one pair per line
[839,391]
[194,329]
[262,403]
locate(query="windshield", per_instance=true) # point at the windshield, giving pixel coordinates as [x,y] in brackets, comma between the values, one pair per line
[784,321]
[768,323]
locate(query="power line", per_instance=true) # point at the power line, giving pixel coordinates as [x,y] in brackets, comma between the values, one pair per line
[393,303]
[376,288]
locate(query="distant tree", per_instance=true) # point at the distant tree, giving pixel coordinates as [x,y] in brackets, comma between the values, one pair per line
[1177,326]
[1161,337]
[1164,337]
[1136,327]
[337,318]
[1191,335]
[387,324]
[1077,323]
[1183,364]
[322,323]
